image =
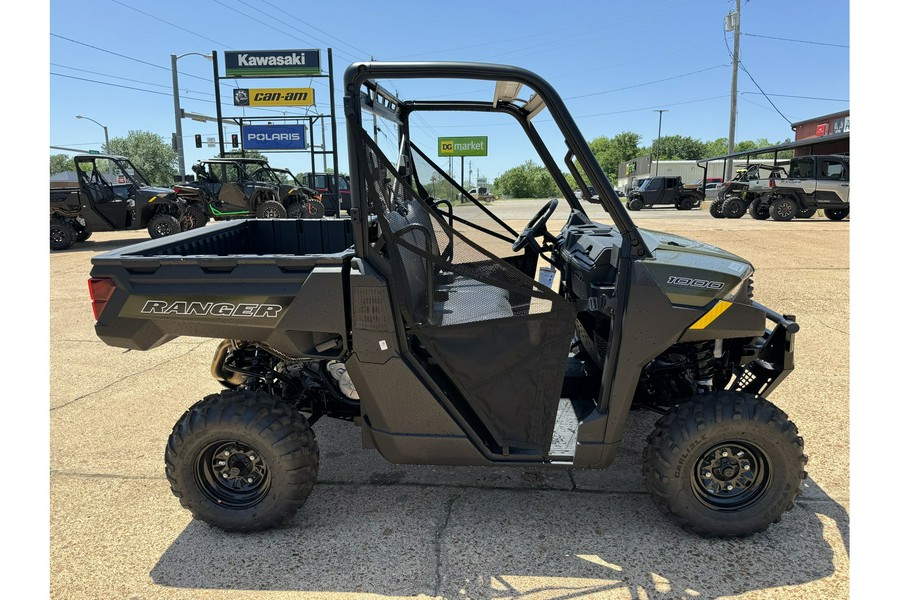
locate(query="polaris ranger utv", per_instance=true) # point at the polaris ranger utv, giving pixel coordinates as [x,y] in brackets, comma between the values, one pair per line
[112,195]
[446,353]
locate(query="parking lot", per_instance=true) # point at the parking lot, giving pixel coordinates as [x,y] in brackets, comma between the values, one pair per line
[371,528]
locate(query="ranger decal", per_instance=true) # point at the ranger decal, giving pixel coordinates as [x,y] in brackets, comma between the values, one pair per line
[215,309]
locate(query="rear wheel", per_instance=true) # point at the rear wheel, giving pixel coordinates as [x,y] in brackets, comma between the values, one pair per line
[685,204]
[726,464]
[62,233]
[734,208]
[782,209]
[715,209]
[270,209]
[837,214]
[162,225]
[82,234]
[758,210]
[242,460]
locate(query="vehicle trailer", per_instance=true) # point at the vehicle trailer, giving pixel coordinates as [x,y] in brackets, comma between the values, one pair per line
[111,195]
[446,353]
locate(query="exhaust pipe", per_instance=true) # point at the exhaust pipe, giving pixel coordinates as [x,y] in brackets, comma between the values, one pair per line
[219,373]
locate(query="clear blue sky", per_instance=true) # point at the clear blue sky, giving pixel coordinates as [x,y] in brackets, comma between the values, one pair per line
[612,62]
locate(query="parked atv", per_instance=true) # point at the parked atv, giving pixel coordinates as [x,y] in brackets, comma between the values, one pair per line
[445,353]
[224,190]
[664,191]
[112,195]
[301,201]
[736,197]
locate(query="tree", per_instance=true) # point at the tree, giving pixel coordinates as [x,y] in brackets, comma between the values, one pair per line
[677,147]
[60,163]
[609,152]
[526,181]
[153,157]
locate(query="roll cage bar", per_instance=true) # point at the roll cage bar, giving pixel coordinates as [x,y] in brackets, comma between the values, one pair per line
[363,93]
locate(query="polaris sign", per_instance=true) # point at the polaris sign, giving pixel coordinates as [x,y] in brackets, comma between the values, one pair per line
[274,137]
[272,63]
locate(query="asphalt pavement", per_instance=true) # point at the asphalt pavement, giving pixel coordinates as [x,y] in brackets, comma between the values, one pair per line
[373,529]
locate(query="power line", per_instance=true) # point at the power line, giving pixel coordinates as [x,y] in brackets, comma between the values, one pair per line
[769,37]
[802,97]
[744,69]
[123,78]
[192,32]
[646,83]
[349,45]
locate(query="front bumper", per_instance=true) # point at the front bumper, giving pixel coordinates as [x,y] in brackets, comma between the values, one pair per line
[768,359]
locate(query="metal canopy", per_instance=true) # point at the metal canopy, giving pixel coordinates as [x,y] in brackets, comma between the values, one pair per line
[778,148]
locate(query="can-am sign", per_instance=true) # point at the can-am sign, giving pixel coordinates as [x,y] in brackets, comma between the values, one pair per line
[274,137]
[463,146]
[275,97]
[272,63]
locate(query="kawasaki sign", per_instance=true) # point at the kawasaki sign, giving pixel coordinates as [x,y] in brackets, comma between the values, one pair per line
[272,63]
[274,137]
[463,146]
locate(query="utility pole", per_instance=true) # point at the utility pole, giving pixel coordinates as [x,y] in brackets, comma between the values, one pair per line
[735,59]
[659,134]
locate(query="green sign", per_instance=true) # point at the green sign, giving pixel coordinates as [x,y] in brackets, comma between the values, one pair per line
[463,146]
[93,152]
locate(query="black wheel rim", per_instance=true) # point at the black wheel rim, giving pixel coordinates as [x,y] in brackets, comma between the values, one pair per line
[270,213]
[783,209]
[731,476]
[232,474]
[164,228]
[57,235]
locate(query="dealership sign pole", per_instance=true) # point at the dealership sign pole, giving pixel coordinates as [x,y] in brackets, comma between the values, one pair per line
[264,64]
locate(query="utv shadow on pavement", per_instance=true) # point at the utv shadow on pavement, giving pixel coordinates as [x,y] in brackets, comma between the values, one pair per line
[400,530]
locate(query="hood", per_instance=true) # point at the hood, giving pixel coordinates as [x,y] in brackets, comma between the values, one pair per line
[693,273]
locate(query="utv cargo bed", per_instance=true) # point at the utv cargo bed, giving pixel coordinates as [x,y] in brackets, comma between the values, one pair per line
[250,275]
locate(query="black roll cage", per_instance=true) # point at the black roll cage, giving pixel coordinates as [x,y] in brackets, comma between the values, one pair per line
[363,93]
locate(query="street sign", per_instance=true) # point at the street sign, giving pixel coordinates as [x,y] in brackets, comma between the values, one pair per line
[93,152]
[463,146]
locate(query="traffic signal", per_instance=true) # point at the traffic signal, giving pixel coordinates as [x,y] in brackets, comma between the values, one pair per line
[198,141]
[234,140]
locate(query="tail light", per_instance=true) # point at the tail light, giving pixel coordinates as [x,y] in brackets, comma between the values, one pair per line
[101,290]
[771,183]
[177,190]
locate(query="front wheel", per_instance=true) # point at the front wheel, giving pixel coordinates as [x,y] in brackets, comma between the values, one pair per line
[636,204]
[837,214]
[242,460]
[806,213]
[162,225]
[715,209]
[313,209]
[726,464]
[193,217]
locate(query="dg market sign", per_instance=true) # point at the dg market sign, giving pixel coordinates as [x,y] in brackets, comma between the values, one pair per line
[272,63]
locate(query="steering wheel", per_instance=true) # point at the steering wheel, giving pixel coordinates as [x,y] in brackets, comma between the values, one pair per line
[536,226]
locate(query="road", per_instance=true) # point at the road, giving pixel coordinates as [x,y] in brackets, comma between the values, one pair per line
[375,529]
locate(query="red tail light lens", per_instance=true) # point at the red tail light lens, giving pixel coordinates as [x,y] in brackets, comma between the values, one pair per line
[771,183]
[101,290]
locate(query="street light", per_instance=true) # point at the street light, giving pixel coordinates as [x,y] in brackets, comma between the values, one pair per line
[105,131]
[179,143]
[659,134]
